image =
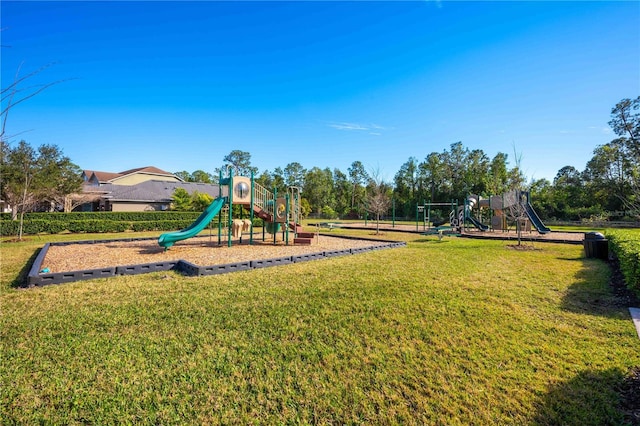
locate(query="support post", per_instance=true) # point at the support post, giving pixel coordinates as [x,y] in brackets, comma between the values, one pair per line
[273,216]
[219,215]
[424,215]
[251,210]
[230,219]
[393,212]
[286,212]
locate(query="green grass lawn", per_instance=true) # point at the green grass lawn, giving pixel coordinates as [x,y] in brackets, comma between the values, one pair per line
[454,332]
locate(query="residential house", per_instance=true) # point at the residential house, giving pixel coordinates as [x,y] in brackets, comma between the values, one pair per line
[142,189]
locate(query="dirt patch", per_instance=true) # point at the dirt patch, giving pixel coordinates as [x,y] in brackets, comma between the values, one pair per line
[555,236]
[532,236]
[522,247]
[16,240]
[201,251]
[629,391]
[619,287]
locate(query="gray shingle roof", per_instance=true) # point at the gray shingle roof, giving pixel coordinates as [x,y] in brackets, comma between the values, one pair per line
[155,190]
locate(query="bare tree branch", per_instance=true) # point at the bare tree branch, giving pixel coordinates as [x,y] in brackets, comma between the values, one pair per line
[10,92]
[12,103]
[17,80]
[378,200]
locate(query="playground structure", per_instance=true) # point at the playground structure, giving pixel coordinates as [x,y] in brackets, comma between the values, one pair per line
[513,203]
[276,212]
[430,219]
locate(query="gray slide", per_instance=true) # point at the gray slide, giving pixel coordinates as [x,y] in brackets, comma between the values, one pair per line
[535,219]
[476,223]
[468,207]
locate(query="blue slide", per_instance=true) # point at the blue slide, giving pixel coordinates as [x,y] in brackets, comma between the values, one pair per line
[168,239]
[535,219]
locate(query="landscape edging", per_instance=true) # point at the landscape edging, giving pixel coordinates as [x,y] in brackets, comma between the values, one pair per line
[37,279]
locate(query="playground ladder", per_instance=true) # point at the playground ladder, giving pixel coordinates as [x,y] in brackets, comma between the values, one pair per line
[295,213]
[223,217]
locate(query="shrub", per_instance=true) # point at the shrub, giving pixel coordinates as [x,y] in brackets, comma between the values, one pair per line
[97,226]
[53,223]
[626,246]
[31,227]
[160,225]
[88,222]
[116,216]
[329,213]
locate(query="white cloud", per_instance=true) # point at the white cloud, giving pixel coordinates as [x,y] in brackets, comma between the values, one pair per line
[348,126]
[372,129]
[603,130]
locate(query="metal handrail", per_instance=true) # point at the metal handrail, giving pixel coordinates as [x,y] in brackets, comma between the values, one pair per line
[263,198]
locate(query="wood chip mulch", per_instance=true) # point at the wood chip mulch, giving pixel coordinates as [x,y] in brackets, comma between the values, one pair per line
[201,251]
[533,235]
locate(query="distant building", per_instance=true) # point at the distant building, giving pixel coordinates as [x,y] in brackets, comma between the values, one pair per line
[142,189]
[4,207]
[128,177]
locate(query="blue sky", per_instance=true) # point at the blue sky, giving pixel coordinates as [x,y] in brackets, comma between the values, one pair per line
[178,85]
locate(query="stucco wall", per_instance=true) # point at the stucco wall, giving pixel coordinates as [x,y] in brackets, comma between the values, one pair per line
[142,177]
[135,207]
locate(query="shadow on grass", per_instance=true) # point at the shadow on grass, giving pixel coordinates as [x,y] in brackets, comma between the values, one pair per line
[591,398]
[572,259]
[432,240]
[21,278]
[595,291]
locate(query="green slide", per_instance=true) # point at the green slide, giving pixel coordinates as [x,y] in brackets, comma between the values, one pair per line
[168,239]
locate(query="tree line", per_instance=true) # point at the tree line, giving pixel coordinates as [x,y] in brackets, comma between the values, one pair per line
[607,188]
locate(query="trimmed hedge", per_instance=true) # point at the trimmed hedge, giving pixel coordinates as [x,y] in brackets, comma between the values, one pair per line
[37,226]
[626,246]
[96,226]
[159,225]
[10,227]
[113,216]
[100,222]
[96,222]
